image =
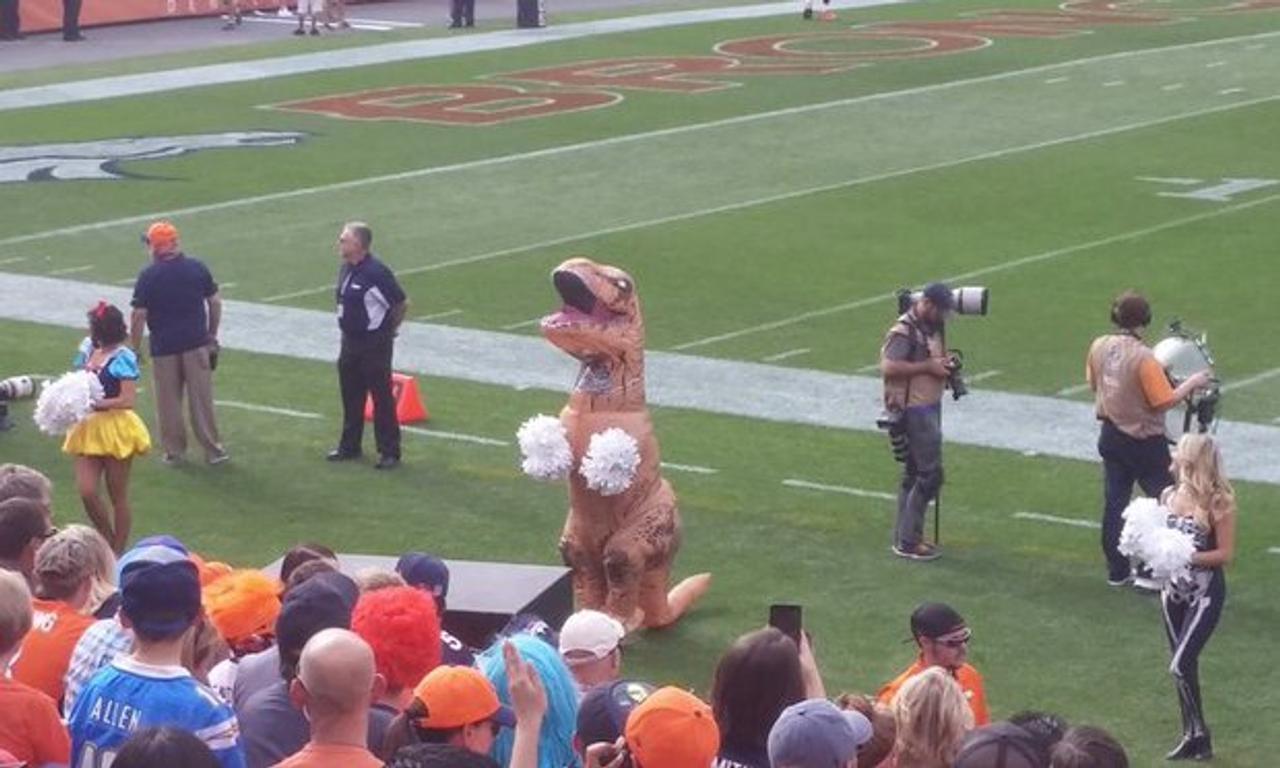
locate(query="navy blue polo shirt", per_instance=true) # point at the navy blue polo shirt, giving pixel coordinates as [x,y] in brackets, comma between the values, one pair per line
[366,293]
[173,291]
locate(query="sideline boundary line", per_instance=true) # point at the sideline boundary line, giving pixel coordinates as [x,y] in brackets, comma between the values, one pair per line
[644,135]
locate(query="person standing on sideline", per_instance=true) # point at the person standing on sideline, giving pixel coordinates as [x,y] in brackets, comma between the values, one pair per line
[1131,394]
[71,21]
[177,300]
[370,309]
[10,20]
[915,367]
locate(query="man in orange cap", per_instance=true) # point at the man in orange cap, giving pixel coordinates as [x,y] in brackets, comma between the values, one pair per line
[176,299]
[672,729]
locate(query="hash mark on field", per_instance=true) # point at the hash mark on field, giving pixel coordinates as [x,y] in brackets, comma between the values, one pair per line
[1251,380]
[1273,550]
[983,376]
[1171,87]
[1055,80]
[13,260]
[439,315]
[1072,521]
[225,286]
[679,130]
[998,267]
[71,270]
[1112,83]
[1229,91]
[522,324]
[693,468]
[456,436]
[1213,64]
[846,490]
[267,409]
[1181,181]
[786,355]
[1072,390]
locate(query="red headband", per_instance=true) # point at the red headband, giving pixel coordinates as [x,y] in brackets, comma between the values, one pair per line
[101,309]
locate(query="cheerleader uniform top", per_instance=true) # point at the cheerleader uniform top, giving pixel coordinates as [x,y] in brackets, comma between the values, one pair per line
[1201,577]
[117,432]
[121,366]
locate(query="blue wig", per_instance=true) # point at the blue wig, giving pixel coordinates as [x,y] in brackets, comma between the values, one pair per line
[555,741]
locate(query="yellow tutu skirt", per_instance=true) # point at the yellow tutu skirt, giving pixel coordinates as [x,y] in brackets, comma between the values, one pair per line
[116,433]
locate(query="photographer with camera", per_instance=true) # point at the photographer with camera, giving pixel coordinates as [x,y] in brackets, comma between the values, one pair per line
[1131,393]
[916,368]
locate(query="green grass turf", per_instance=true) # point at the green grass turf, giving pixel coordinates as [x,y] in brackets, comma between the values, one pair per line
[1049,633]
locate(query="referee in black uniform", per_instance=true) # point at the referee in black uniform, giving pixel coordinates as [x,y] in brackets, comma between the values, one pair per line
[370,309]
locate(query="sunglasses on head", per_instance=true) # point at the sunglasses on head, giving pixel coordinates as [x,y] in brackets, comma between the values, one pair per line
[956,642]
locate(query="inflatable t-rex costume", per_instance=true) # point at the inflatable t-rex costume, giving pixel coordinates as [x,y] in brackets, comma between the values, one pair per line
[620,547]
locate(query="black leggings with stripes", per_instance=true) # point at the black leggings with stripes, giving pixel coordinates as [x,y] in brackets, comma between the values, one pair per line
[1189,621]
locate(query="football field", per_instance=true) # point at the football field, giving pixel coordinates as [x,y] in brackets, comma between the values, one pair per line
[769,183]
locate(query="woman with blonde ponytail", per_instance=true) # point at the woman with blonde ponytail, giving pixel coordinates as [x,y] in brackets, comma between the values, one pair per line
[1202,504]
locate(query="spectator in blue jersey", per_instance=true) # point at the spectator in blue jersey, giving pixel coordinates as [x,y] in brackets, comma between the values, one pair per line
[430,573]
[160,587]
[371,306]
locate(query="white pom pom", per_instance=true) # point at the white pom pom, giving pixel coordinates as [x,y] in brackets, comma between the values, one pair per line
[545,446]
[611,461]
[1168,554]
[66,402]
[1141,519]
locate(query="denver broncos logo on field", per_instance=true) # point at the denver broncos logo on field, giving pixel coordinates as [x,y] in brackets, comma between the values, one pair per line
[98,159]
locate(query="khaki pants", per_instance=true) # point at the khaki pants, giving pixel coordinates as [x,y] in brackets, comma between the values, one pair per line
[173,375]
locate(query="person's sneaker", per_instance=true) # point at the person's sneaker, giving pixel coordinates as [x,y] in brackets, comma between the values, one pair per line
[387,462]
[314,31]
[1145,584]
[337,454]
[921,551]
[171,459]
[1121,582]
[221,457]
[299,32]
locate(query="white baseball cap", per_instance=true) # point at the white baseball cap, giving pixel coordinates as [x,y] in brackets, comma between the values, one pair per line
[591,633]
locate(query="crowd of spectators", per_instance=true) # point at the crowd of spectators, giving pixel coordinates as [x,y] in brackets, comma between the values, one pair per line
[164,659]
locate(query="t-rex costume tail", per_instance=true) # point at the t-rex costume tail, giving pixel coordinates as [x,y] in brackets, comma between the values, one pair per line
[620,547]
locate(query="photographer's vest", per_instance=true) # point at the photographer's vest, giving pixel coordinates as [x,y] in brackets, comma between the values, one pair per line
[1115,362]
[921,389]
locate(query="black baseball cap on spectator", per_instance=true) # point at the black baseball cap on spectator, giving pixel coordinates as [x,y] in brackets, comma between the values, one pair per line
[1000,745]
[324,601]
[418,569]
[603,711]
[934,620]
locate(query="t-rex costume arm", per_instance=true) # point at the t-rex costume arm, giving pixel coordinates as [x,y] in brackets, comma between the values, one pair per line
[620,547]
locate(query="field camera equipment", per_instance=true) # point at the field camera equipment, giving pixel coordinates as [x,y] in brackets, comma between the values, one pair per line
[1183,353]
[968,300]
[955,381]
[17,388]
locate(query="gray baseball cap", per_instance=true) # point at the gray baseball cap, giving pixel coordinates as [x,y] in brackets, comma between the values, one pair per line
[816,734]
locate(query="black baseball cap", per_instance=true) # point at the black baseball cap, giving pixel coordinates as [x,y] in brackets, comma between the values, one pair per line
[324,601]
[1000,745]
[934,620]
[603,711]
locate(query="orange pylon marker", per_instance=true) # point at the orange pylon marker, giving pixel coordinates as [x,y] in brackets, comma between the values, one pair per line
[409,407]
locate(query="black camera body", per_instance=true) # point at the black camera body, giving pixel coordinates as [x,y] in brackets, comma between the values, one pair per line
[955,380]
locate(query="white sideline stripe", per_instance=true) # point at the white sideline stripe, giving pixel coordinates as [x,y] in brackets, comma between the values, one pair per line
[388,22]
[999,267]
[1251,380]
[1074,521]
[676,130]
[1229,91]
[267,409]
[983,376]
[386,53]
[695,469]
[872,368]
[1171,87]
[13,260]
[456,436]
[71,270]
[1112,83]
[1180,180]
[1056,80]
[291,22]
[786,355]
[846,490]
[439,315]
[1072,390]
[522,324]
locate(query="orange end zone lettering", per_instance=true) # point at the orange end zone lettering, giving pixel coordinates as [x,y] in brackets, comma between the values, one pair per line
[451,104]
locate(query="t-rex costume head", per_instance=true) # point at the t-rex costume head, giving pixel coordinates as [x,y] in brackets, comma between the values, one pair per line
[620,547]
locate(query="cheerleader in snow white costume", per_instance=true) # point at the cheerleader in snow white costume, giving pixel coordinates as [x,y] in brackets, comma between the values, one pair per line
[1202,504]
[105,442]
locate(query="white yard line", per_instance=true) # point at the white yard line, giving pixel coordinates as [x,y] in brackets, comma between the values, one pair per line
[462,438]
[1075,389]
[126,281]
[226,286]
[1112,83]
[844,489]
[1251,380]
[1273,550]
[790,353]
[1229,91]
[1072,521]
[1215,64]
[982,376]
[1056,80]
[1179,180]
[522,324]
[70,270]
[694,127]
[1172,87]
[994,268]
[267,409]
[439,315]
[12,260]
[691,468]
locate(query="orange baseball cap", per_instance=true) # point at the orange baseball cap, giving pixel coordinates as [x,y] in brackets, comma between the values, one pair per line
[458,696]
[161,233]
[209,570]
[243,604]
[673,729]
